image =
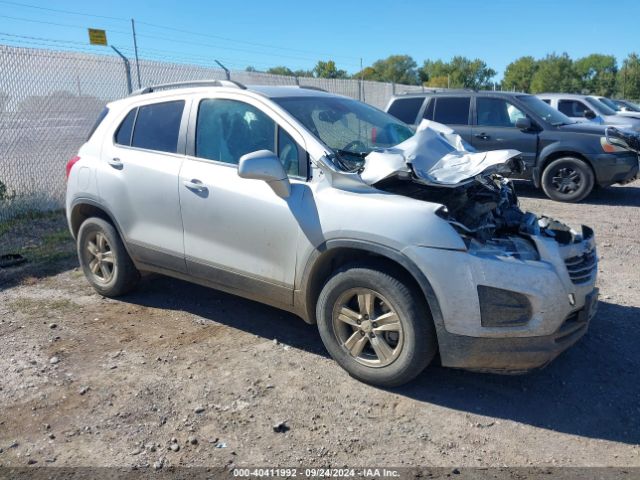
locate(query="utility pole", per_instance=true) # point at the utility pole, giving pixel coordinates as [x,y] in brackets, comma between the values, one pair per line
[135,48]
[361,92]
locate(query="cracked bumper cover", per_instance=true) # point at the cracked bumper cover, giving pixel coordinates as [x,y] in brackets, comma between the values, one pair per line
[560,310]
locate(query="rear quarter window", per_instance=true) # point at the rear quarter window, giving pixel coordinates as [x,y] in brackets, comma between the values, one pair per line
[406,109]
[101,116]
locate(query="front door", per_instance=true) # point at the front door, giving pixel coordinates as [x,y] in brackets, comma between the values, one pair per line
[237,232]
[495,129]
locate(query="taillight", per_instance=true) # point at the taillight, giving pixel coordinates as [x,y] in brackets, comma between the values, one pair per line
[71,163]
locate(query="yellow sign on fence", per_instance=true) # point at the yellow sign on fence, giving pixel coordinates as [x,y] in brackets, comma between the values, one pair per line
[97,37]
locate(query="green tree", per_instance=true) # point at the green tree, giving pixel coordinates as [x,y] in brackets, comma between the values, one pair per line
[395,68]
[281,70]
[250,68]
[629,77]
[597,74]
[328,69]
[460,72]
[555,73]
[519,73]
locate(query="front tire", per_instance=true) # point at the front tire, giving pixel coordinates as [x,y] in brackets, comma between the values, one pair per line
[567,179]
[375,326]
[104,260]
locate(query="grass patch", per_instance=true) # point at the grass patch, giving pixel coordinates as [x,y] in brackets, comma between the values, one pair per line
[24,219]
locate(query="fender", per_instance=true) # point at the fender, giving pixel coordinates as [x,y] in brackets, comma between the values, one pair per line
[564,147]
[391,254]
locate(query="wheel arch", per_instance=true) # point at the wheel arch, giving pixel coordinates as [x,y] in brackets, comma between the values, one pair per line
[335,254]
[554,155]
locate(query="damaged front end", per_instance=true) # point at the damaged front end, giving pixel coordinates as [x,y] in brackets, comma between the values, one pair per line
[436,166]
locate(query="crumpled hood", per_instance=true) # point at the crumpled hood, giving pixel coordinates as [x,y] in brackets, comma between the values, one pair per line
[436,155]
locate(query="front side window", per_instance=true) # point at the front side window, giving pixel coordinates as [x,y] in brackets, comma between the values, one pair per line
[452,110]
[496,112]
[158,126]
[572,108]
[228,129]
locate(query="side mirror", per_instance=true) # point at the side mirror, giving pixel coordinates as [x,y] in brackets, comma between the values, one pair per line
[265,165]
[589,114]
[523,123]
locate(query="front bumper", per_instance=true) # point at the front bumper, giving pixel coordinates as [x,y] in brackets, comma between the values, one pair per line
[520,354]
[615,168]
[560,295]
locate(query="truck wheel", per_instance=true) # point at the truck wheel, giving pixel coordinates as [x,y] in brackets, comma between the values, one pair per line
[104,260]
[567,179]
[375,326]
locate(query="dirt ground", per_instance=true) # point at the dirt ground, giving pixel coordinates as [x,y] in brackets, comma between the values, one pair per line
[177,374]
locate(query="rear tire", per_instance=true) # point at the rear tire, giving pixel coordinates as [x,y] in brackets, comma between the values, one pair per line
[375,326]
[567,179]
[104,260]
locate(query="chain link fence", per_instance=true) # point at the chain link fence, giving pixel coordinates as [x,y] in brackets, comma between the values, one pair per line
[50,99]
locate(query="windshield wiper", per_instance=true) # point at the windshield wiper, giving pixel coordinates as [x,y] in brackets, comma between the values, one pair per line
[351,152]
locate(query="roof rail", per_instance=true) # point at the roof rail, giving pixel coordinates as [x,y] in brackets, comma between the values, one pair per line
[309,87]
[193,83]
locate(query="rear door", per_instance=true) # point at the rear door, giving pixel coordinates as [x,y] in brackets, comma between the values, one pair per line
[455,112]
[138,181]
[495,128]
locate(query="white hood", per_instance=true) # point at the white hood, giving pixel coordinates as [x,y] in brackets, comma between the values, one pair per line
[437,156]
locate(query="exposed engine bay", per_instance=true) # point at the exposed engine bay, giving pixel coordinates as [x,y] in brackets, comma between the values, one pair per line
[477,200]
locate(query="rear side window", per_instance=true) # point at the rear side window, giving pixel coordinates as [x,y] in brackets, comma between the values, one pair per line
[157,126]
[123,134]
[452,110]
[98,121]
[406,109]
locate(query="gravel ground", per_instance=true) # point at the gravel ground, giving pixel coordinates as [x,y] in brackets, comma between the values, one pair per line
[177,374]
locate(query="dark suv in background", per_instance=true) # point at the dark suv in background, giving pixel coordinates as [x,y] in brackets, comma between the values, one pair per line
[564,158]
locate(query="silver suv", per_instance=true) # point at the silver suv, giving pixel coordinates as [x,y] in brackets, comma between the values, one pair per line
[398,243]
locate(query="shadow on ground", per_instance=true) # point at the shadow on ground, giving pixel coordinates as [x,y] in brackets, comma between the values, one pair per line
[618,195]
[592,390]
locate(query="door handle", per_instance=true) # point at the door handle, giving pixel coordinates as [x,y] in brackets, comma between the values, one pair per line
[195,184]
[482,136]
[115,162]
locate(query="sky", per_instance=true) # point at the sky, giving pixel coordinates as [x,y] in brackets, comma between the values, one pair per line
[297,34]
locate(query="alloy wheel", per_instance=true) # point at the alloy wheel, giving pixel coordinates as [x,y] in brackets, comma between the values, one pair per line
[100,258]
[566,180]
[368,327]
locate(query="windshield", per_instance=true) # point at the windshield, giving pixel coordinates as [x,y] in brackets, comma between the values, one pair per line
[630,106]
[350,128]
[610,103]
[600,107]
[545,111]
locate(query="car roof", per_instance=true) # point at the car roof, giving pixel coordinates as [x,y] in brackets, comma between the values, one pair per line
[575,96]
[451,93]
[173,90]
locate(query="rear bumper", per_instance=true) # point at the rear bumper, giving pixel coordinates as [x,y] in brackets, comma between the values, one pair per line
[516,355]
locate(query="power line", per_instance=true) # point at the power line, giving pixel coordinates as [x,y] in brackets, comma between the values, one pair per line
[174,40]
[179,30]
[58,24]
[63,11]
